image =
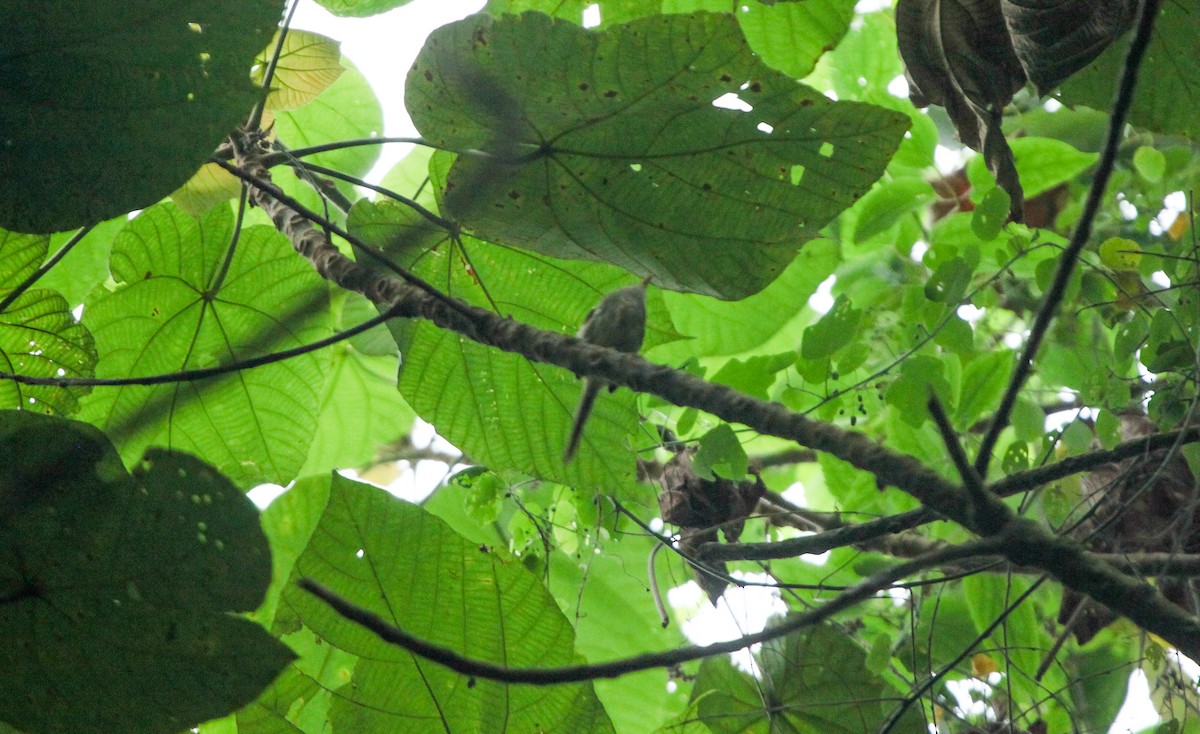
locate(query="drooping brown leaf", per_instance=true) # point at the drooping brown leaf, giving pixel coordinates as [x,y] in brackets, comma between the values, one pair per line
[1053,39]
[958,55]
[690,501]
[700,507]
[711,576]
[1143,504]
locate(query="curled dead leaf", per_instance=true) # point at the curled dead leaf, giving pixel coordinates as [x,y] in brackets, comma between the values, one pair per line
[972,56]
[701,507]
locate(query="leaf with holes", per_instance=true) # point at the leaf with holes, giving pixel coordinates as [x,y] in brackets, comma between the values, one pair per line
[38,335]
[108,107]
[608,145]
[189,299]
[117,589]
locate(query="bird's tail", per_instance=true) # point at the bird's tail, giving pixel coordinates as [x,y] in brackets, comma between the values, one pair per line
[581,415]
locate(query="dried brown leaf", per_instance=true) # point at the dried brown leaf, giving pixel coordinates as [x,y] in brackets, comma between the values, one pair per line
[1056,38]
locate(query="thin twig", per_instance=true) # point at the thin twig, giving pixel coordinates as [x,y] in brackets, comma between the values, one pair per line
[870,531]
[930,682]
[204,373]
[451,228]
[38,274]
[1079,238]
[861,591]
[983,501]
[269,74]
[663,617]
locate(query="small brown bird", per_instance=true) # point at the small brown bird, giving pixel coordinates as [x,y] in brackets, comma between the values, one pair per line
[618,322]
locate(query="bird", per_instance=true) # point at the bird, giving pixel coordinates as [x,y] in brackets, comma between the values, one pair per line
[617,322]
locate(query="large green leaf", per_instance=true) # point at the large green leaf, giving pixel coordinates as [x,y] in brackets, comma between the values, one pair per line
[812,682]
[182,305]
[86,265]
[600,587]
[117,589]
[729,327]
[1042,163]
[361,408]
[602,592]
[609,12]
[38,335]
[1020,636]
[502,410]
[401,562]
[108,107]
[624,158]
[885,204]
[1168,90]
[360,8]
[983,382]
[1100,677]
[307,64]
[347,110]
[789,37]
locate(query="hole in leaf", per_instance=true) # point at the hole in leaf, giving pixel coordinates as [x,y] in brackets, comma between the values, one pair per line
[731,101]
[590,16]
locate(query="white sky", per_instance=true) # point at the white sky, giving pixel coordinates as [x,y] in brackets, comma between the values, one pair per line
[383,47]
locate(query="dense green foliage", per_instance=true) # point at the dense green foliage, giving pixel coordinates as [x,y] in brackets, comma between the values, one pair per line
[803,250]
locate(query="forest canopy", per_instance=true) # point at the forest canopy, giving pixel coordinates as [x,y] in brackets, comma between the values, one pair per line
[893,337]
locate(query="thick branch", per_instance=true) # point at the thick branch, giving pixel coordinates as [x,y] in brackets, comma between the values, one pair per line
[1028,543]
[867,533]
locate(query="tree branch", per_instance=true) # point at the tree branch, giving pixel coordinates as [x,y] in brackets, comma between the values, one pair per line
[862,591]
[1027,543]
[204,373]
[869,532]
